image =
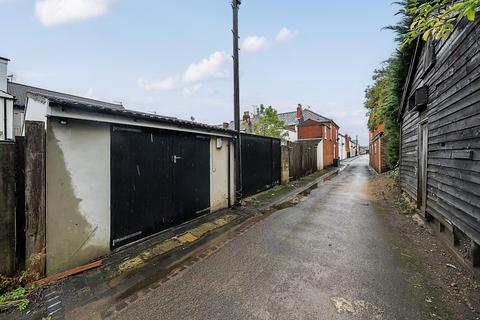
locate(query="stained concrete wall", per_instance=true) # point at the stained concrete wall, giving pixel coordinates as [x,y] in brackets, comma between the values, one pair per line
[78,193]
[219,174]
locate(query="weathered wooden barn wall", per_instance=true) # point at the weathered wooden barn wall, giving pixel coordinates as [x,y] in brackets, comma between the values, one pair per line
[452,118]
[303,158]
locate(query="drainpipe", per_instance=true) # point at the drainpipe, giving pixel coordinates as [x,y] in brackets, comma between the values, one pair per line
[228,176]
[5,118]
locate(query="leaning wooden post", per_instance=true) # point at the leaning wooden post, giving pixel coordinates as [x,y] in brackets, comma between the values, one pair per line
[7,208]
[35,196]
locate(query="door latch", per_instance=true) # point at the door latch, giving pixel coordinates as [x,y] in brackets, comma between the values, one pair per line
[175,158]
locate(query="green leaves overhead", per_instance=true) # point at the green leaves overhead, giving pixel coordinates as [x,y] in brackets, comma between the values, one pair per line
[382,99]
[437,18]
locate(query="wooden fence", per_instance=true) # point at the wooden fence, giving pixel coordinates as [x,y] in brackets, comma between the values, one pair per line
[303,158]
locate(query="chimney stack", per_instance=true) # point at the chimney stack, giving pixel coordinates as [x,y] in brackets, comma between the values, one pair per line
[226,125]
[299,111]
[3,74]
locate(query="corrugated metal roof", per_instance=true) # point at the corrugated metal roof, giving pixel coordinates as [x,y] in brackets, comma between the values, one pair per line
[19,91]
[99,108]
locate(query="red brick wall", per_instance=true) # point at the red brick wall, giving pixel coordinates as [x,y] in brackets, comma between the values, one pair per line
[377,150]
[311,129]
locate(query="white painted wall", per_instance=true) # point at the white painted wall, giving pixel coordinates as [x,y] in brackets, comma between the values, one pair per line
[78,193]
[18,121]
[342,147]
[320,155]
[292,135]
[36,108]
[6,134]
[3,74]
[219,174]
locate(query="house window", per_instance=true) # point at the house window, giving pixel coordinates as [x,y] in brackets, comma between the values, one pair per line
[330,131]
[375,147]
[325,132]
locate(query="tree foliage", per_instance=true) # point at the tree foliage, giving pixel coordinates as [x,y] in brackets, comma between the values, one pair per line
[436,18]
[383,98]
[426,18]
[267,123]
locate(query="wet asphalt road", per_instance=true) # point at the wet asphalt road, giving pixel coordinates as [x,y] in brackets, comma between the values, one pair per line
[329,257]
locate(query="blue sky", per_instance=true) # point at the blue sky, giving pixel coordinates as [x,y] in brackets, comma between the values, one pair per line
[173,57]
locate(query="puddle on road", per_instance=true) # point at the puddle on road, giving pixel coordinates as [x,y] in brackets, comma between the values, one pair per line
[297,199]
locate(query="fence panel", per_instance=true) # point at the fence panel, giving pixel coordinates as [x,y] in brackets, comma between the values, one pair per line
[260,163]
[7,208]
[303,158]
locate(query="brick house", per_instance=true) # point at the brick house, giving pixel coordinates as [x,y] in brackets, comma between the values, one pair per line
[310,125]
[377,149]
[328,131]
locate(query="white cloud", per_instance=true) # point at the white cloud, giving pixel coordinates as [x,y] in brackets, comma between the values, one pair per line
[55,12]
[254,43]
[285,35]
[213,67]
[216,66]
[190,91]
[89,93]
[167,84]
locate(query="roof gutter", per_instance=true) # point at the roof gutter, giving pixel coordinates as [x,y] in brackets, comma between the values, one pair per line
[94,112]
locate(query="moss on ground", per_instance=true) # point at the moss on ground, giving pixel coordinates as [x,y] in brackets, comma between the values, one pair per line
[417,277]
[279,191]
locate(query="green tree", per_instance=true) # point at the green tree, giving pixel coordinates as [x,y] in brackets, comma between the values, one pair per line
[267,123]
[436,18]
[383,98]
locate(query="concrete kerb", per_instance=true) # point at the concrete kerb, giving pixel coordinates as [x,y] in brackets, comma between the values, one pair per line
[291,195]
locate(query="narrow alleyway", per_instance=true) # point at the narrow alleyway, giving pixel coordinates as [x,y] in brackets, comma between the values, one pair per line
[329,257]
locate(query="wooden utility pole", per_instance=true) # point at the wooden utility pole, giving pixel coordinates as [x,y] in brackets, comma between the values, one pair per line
[35,196]
[236,99]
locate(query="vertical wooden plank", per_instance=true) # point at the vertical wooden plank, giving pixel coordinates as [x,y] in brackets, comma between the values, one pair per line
[35,196]
[20,201]
[7,208]
[285,163]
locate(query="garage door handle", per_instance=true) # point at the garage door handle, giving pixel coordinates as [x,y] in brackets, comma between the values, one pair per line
[175,158]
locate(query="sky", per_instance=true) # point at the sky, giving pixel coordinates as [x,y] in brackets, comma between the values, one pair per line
[174,57]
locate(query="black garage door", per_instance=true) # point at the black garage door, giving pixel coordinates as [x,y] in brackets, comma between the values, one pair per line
[159,179]
[260,163]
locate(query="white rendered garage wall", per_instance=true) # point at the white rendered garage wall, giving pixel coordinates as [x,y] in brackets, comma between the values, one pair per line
[219,174]
[78,193]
